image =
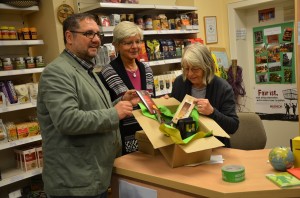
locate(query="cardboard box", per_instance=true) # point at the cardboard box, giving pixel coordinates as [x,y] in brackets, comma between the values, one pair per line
[39,153]
[296,150]
[178,155]
[27,157]
[144,143]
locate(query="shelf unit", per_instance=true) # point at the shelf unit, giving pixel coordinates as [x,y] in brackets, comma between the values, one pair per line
[133,7]
[21,42]
[7,9]
[15,48]
[21,72]
[158,66]
[15,175]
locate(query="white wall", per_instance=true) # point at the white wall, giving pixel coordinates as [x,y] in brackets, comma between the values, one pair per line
[244,15]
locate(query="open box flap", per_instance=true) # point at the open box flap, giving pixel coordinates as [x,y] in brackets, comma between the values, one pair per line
[201,144]
[208,124]
[151,128]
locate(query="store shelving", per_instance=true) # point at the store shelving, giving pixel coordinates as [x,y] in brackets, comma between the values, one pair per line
[7,9]
[16,107]
[21,42]
[21,71]
[20,142]
[14,175]
[16,112]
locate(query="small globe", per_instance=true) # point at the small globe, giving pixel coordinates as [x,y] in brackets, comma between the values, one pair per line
[281,158]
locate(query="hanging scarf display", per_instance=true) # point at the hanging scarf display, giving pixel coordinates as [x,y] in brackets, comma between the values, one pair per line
[235,79]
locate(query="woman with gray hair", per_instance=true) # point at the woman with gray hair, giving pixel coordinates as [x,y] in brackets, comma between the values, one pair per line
[125,73]
[215,97]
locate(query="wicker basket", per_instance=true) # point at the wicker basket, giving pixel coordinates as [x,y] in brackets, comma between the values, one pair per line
[20,3]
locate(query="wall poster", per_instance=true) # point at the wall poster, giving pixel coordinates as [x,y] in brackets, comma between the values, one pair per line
[278,102]
[275,64]
[274,54]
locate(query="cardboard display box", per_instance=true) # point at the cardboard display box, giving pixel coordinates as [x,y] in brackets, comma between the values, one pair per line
[144,143]
[179,155]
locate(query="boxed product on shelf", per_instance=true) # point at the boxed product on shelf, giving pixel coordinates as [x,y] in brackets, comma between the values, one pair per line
[27,158]
[7,87]
[114,19]
[22,130]
[33,91]
[2,99]
[11,131]
[22,93]
[143,57]
[33,128]
[39,153]
[3,133]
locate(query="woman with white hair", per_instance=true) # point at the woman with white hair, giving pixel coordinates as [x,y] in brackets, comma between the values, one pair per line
[125,73]
[215,97]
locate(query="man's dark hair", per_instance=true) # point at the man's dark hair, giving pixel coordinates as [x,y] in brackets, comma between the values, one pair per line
[72,22]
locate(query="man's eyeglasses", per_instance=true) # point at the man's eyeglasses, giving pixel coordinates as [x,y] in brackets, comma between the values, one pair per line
[90,34]
[130,43]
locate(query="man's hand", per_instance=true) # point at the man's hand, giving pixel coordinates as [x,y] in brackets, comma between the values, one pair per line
[124,109]
[132,97]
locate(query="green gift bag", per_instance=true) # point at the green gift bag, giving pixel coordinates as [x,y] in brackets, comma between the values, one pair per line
[172,131]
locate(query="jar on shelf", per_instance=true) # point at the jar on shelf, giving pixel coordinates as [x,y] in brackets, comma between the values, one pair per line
[26,33]
[177,22]
[12,33]
[19,63]
[4,32]
[139,21]
[1,65]
[20,34]
[148,22]
[29,61]
[39,61]
[7,64]
[33,33]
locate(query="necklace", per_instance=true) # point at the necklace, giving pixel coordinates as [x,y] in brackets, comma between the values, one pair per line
[132,72]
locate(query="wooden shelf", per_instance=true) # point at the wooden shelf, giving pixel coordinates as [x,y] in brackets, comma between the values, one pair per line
[163,62]
[15,175]
[16,107]
[20,142]
[21,42]
[134,8]
[108,31]
[7,9]
[21,71]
